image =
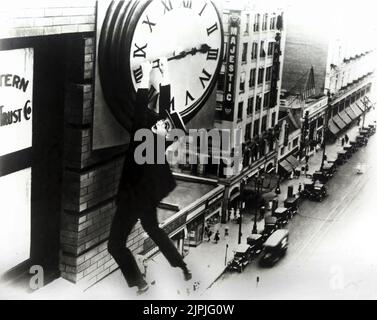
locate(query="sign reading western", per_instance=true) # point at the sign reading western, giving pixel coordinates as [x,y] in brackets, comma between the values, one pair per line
[231,64]
[16,91]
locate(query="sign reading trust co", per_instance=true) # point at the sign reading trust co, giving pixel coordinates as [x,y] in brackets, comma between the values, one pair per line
[16,91]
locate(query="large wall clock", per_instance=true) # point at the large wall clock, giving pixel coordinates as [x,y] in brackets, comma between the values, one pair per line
[188,33]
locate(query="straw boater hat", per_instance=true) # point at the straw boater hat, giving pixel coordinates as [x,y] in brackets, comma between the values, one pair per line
[176,119]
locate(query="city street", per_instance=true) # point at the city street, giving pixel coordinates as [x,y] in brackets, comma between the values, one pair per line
[331,253]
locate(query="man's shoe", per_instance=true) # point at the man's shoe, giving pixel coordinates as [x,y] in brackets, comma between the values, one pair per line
[142,289]
[187,274]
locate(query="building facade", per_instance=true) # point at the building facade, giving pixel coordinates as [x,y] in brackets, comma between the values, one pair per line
[340,58]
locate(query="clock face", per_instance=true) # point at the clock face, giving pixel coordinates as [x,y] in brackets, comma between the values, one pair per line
[189,34]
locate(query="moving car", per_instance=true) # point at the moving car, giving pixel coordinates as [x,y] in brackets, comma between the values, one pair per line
[275,247]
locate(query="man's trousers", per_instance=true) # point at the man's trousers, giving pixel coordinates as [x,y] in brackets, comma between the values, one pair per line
[124,220]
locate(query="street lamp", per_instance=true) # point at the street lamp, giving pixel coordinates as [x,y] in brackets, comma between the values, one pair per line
[241,207]
[258,184]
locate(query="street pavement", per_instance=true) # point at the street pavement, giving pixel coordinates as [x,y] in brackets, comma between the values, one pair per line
[331,253]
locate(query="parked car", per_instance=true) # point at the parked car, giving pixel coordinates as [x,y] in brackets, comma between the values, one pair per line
[241,258]
[282,215]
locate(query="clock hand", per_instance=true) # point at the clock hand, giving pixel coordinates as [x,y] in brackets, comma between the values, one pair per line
[204,48]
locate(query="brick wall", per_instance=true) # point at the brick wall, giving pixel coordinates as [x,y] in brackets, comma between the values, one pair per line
[39,18]
[90,181]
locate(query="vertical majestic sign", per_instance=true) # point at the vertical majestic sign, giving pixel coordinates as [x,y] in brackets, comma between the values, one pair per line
[16,92]
[231,66]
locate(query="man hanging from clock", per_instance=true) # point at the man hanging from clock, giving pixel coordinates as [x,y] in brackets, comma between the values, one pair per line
[142,187]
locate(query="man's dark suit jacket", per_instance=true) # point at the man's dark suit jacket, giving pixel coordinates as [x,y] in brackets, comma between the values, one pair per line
[144,186]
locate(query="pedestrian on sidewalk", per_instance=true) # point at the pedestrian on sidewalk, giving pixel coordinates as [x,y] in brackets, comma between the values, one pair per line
[299,188]
[238,215]
[232,217]
[217,236]
[226,232]
[209,235]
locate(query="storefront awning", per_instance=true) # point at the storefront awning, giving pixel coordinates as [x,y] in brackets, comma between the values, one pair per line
[339,122]
[356,110]
[333,128]
[286,166]
[360,107]
[293,161]
[343,115]
[351,113]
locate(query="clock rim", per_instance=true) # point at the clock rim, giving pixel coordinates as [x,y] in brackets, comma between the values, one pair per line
[121,99]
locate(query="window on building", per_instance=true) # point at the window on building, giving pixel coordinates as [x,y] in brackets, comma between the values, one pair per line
[247,27]
[295,143]
[248,132]
[270,50]
[256,128]
[273,117]
[242,82]
[272,23]
[262,50]
[264,123]
[266,100]
[341,106]
[250,104]
[320,121]
[264,22]
[260,75]
[252,78]
[258,103]
[240,111]
[221,82]
[244,52]
[256,22]
[254,51]
[268,73]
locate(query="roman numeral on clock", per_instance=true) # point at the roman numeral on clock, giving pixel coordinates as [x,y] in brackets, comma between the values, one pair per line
[212,54]
[205,78]
[167,5]
[201,12]
[189,97]
[138,74]
[139,52]
[149,23]
[187,4]
[212,29]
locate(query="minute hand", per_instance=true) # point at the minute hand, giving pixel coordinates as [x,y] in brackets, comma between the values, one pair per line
[204,48]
